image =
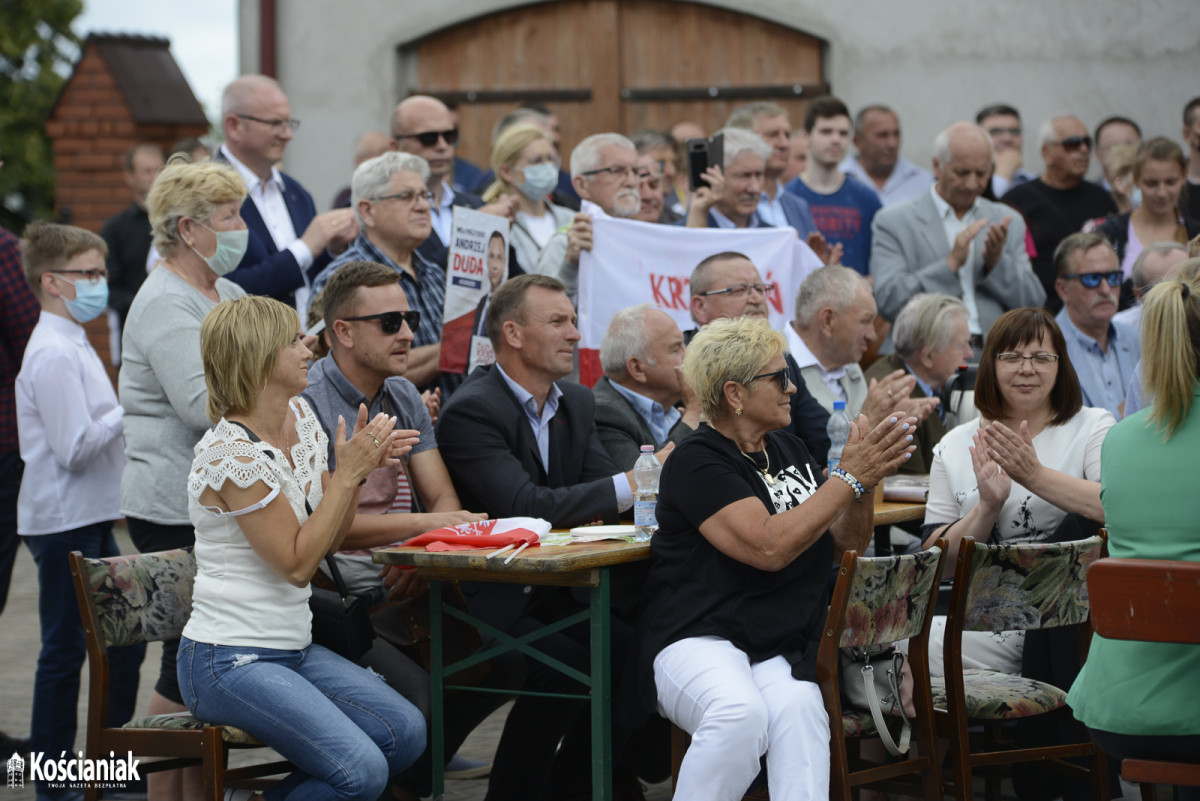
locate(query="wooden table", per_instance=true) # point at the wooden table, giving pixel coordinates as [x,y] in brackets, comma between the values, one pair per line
[888,514]
[580,565]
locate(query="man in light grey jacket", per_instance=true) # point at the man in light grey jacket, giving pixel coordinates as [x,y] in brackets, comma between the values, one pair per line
[953,241]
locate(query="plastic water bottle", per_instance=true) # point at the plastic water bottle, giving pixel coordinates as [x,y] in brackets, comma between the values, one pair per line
[838,429]
[645,475]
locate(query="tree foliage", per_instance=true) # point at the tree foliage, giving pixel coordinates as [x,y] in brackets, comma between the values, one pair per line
[37,48]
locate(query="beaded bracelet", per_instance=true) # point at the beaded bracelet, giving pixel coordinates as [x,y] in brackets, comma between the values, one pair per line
[855,484]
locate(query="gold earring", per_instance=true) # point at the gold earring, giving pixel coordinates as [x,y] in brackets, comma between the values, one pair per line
[738,412]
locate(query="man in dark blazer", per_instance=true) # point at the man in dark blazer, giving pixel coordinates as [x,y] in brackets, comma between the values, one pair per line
[288,239]
[519,442]
[642,386]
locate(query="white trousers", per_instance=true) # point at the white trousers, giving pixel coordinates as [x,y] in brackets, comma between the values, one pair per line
[735,713]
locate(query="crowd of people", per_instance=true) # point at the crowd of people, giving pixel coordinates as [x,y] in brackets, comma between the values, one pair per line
[1075,301]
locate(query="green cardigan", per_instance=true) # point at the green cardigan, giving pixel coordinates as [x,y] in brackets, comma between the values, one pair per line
[1152,511]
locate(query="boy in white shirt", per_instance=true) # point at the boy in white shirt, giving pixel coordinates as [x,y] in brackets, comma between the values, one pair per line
[70,433]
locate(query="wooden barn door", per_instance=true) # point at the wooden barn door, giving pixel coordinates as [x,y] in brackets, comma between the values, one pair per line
[612,65]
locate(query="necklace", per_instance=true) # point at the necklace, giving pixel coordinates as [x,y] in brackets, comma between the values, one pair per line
[766,471]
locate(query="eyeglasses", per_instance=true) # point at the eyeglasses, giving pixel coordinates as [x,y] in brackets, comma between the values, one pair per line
[408,196]
[390,322]
[998,130]
[1073,143]
[91,276]
[620,173]
[779,375]
[741,290]
[1040,360]
[276,126]
[430,138]
[1092,280]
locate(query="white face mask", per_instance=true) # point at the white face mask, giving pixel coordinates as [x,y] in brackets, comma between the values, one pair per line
[540,180]
[231,246]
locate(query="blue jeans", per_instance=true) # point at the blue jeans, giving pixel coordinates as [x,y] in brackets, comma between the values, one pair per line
[56,687]
[339,724]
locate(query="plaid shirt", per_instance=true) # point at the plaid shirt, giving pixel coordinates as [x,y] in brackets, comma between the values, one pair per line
[19,309]
[426,293]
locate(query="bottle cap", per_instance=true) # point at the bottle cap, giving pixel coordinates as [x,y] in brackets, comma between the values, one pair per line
[647,449]
[839,405]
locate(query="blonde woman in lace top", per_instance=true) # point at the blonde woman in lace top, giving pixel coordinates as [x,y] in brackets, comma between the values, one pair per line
[266,511]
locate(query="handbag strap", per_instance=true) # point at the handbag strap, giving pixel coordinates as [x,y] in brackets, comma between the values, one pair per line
[330,562]
[868,676]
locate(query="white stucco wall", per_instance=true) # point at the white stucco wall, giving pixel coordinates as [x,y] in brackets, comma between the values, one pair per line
[934,61]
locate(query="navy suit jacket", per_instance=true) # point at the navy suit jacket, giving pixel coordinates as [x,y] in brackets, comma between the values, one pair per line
[265,269]
[434,248]
[492,455]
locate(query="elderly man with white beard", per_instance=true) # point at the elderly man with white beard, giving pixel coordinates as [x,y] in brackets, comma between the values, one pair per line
[604,171]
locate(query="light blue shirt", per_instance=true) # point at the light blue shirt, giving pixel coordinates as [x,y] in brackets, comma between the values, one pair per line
[442,215]
[1103,375]
[540,423]
[725,222]
[906,182]
[771,210]
[659,420]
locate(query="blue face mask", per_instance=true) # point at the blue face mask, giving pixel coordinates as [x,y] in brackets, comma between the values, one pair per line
[1135,197]
[90,299]
[540,180]
[231,246]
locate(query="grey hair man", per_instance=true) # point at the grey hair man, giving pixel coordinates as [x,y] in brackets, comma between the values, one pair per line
[932,340]
[733,193]
[604,171]
[1150,267]
[1059,201]
[833,327]
[392,203]
[954,241]
[638,398]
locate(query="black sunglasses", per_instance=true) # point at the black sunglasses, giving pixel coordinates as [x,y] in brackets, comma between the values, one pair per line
[779,375]
[390,322]
[1092,280]
[1072,143]
[430,138]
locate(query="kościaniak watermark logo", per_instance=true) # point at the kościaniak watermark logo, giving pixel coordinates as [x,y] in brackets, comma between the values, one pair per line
[75,772]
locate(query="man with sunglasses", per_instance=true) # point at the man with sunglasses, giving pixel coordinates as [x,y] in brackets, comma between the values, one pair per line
[1059,201]
[1104,353]
[289,242]
[424,126]
[1003,123]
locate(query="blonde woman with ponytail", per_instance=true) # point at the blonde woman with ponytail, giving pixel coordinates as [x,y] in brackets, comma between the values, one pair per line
[1139,700]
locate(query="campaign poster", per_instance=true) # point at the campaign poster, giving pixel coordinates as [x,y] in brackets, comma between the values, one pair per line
[476,266]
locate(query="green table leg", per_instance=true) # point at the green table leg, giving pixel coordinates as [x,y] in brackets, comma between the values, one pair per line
[602,757]
[436,681]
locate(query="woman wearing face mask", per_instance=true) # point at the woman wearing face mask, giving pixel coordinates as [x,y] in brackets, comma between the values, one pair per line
[526,166]
[197,227]
[1159,171]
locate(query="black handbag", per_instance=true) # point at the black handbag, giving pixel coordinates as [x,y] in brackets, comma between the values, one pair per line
[340,621]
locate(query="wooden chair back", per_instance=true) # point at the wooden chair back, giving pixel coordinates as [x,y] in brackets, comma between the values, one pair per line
[137,598]
[1148,600]
[877,602]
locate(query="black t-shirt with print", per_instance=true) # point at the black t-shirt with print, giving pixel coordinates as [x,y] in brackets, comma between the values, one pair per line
[694,590]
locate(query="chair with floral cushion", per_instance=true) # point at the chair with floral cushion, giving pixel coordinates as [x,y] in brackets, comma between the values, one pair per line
[877,602]
[147,598]
[1009,588]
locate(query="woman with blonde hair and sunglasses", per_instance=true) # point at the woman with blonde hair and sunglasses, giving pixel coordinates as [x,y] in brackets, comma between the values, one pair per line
[526,166]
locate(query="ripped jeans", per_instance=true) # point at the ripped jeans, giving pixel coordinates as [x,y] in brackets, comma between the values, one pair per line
[341,725]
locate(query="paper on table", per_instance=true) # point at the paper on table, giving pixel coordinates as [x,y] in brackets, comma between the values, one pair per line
[590,534]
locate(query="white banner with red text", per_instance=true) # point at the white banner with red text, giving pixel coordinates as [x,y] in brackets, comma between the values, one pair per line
[635,262]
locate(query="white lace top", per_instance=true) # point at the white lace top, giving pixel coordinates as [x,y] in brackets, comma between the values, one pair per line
[238,599]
